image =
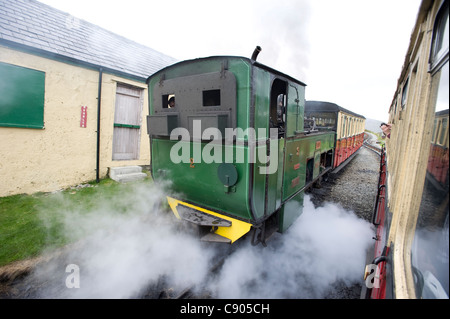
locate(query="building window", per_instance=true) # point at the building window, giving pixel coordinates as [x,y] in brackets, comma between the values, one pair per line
[22,93]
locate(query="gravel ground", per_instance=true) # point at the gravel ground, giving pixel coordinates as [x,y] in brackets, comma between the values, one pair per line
[354,188]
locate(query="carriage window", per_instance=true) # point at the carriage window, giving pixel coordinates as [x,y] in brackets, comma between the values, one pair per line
[442,86]
[440,36]
[405,93]
[211,98]
[433,138]
[347,125]
[168,101]
[323,120]
[443,131]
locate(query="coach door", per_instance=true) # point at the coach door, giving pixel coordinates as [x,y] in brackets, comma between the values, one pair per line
[127,122]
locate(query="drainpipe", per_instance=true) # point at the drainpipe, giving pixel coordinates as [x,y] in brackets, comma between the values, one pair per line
[99,102]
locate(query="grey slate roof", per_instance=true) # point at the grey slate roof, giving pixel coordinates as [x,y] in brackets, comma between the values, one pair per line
[29,24]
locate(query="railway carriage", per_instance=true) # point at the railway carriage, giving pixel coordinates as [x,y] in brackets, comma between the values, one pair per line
[411,252]
[228,133]
[349,128]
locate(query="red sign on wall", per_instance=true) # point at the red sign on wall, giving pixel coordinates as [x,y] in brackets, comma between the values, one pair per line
[83,116]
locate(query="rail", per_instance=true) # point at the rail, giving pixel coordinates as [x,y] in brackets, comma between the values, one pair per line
[375,148]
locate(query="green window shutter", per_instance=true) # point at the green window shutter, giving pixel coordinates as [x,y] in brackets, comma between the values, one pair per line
[22,93]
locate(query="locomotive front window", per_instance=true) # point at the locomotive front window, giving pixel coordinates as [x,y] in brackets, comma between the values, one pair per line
[168,101]
[211,98]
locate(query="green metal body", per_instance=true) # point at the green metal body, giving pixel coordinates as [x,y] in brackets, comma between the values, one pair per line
[253,196]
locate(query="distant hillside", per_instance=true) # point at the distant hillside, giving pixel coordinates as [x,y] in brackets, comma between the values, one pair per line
[373,125]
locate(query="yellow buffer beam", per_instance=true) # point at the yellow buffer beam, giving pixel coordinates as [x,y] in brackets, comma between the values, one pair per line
[237,229]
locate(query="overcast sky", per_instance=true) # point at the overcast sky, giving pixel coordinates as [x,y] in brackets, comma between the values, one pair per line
[349,52]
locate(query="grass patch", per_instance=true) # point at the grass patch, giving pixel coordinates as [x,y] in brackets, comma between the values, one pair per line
[32,224]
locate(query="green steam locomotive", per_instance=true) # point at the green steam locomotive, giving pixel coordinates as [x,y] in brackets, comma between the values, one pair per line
[230,135]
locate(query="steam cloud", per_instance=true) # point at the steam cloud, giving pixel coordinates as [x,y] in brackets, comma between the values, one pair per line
[122,254]
[285,40]
[324,245]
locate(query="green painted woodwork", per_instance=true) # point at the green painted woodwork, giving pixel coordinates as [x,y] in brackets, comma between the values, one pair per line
[126,125]
[22,93]
[298,152]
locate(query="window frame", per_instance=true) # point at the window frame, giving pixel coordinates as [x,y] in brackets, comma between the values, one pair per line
[438,54]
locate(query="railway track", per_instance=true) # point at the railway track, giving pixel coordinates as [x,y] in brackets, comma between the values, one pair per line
[371,143]
[374,148]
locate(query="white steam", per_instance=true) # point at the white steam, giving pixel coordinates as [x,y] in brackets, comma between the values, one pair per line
[123,253]
[324,245]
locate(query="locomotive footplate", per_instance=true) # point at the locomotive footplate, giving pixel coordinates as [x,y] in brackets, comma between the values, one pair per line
[223,228]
